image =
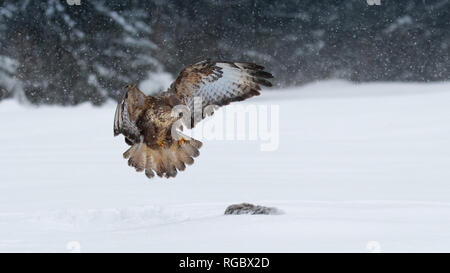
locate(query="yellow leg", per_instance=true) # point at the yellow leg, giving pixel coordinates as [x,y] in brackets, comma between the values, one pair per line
[181,141]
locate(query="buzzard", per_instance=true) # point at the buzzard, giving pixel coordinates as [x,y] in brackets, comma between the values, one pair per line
[153,129]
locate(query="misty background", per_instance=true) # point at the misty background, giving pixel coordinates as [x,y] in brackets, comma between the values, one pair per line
[55,53]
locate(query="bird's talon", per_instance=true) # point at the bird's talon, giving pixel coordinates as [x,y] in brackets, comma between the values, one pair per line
[181,141]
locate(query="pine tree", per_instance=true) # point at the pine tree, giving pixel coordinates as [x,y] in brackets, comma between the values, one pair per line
[71,54]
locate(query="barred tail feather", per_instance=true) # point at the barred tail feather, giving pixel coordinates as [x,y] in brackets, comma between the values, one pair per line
[164,161]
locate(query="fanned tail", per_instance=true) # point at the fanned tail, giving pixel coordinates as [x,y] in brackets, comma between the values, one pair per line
[163,161]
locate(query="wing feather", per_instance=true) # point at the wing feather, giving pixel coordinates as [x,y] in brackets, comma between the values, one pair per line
[127,112]
[219,83]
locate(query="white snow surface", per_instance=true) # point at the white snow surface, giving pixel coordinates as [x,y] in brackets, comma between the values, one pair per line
[360,167]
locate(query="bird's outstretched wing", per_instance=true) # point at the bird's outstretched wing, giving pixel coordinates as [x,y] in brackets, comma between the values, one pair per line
[217,83]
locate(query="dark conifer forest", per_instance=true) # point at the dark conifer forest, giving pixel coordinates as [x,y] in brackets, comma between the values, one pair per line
[52,52]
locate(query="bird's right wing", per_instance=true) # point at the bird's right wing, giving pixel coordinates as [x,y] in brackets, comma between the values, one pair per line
[217,84]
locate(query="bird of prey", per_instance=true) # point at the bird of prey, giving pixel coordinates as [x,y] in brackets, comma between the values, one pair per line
[152,128]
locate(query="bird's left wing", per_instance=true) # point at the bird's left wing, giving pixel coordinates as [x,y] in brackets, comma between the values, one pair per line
[218,83]
[127,112]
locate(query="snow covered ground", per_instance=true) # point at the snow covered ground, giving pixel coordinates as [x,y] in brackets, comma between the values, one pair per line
[358,168]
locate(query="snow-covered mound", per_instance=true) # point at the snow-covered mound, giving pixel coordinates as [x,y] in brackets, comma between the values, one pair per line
[358,167]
